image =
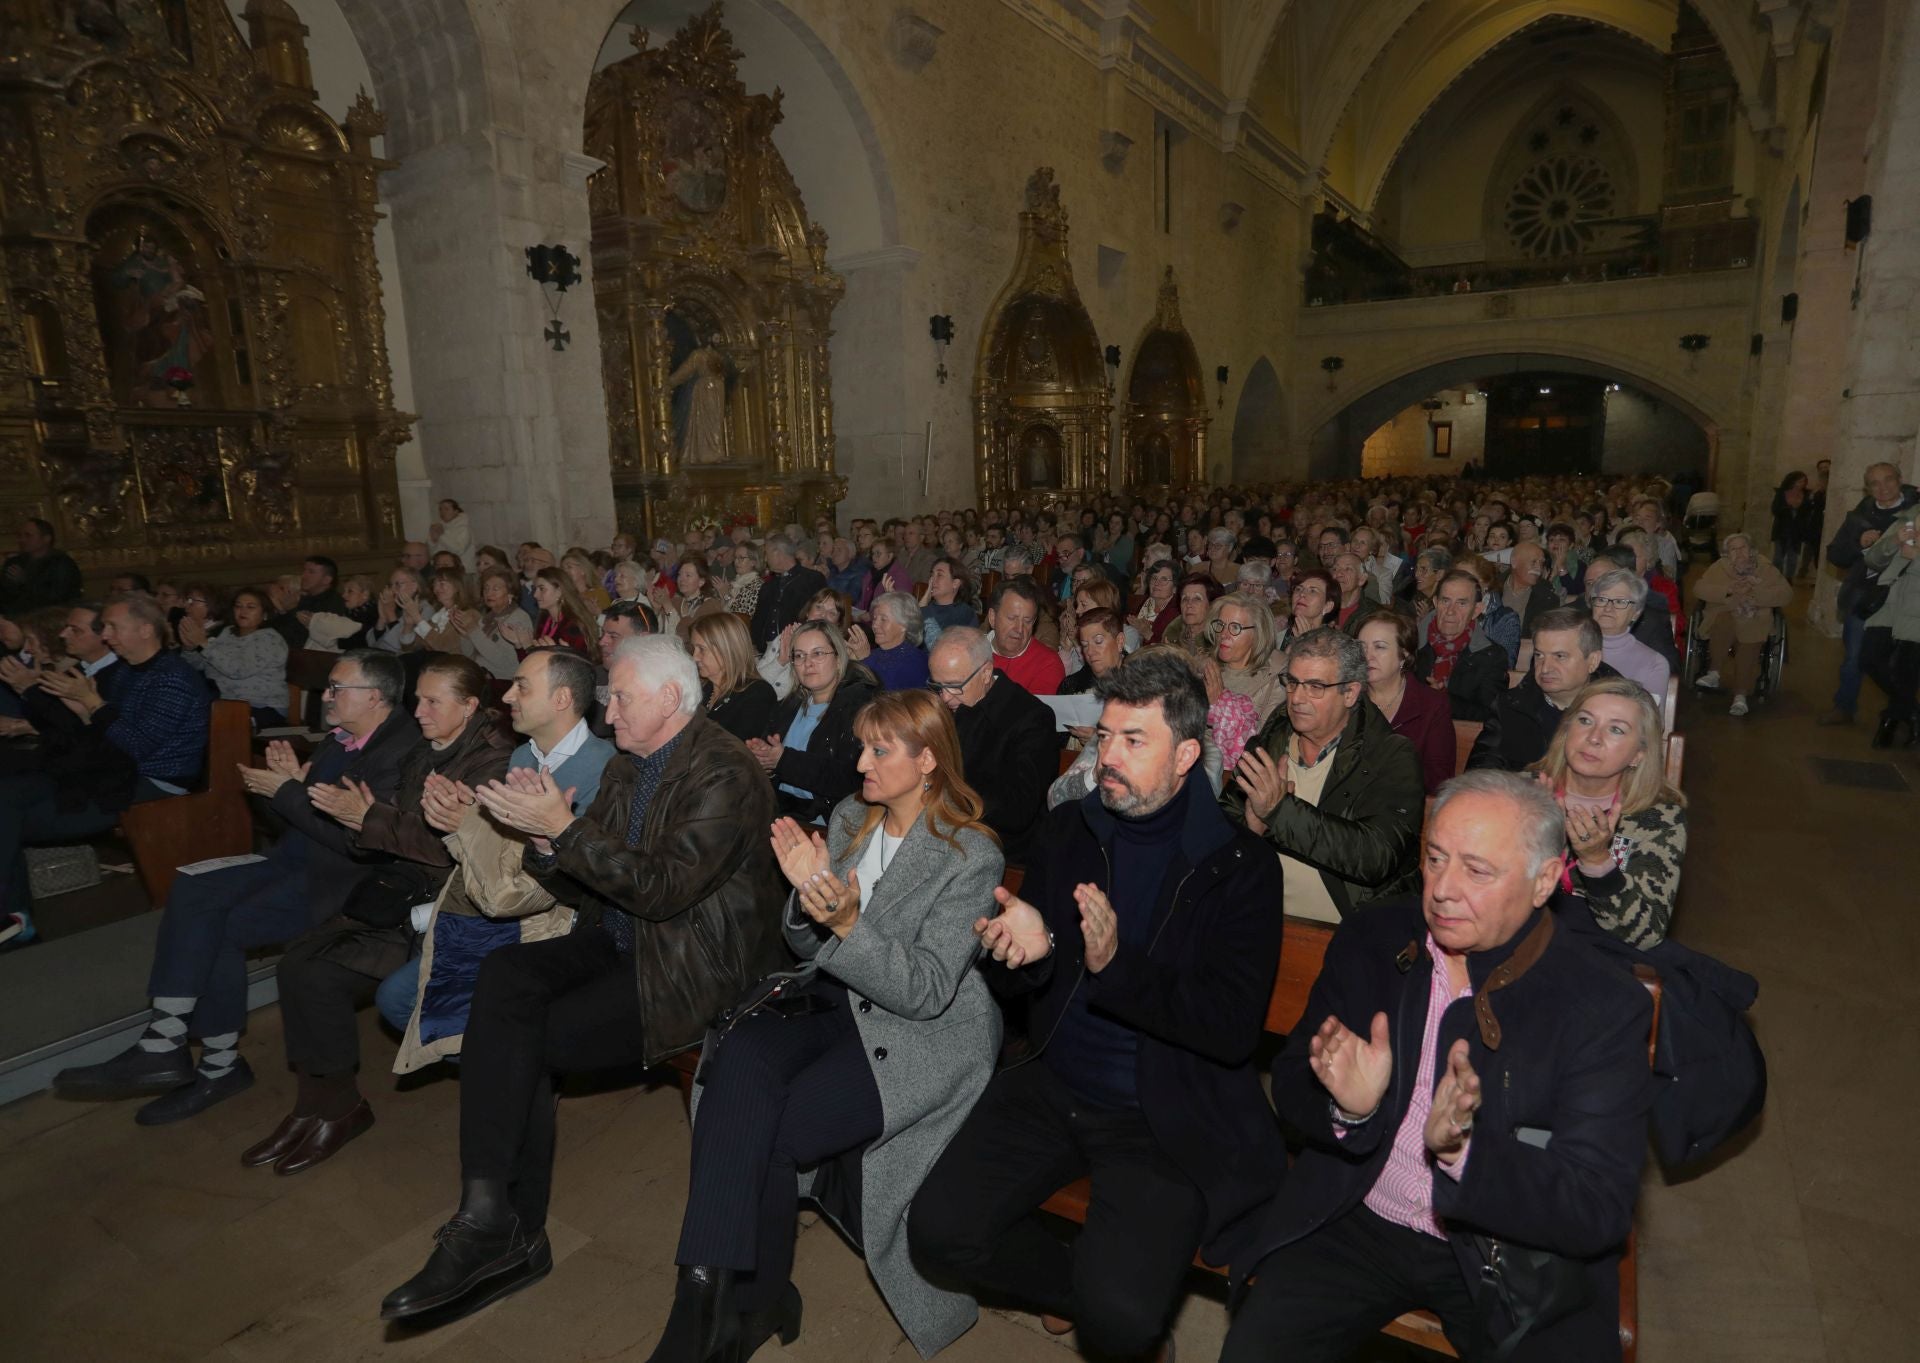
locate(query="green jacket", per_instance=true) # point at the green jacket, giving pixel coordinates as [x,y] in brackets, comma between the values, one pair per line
[1901,614]
[1364,836]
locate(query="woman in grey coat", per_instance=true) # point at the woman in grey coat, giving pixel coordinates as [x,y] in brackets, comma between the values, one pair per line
[847,1082]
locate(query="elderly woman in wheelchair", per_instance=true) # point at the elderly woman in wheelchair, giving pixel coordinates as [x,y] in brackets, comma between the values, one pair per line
[1740,594]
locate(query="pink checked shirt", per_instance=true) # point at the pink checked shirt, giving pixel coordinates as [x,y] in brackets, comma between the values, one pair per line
[1403,1194]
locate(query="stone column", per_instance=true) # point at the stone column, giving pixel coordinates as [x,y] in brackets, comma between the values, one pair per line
[1881,411]
[878,448]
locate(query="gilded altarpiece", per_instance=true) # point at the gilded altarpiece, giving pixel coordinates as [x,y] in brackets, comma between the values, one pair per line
[193,365]
[712,290]
[1164,434]
[1040,389]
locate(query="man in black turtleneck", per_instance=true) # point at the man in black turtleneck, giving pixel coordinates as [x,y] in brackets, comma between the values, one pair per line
[1148,941]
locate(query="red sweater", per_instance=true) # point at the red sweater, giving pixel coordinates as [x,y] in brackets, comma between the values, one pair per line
[1039,669]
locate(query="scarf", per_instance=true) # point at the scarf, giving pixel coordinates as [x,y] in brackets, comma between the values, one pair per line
[1446,652]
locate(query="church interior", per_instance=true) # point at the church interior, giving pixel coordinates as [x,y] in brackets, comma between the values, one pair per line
[281,279]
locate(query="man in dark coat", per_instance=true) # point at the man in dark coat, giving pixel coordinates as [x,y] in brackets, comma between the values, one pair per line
[1456,655]
[1147,941]
[1329,784]
[1465,1068]
[199,977]
[40,574]
[319,591]
[1566,656]
[674,878]
[1886,498]
[1009,744]
[784,594]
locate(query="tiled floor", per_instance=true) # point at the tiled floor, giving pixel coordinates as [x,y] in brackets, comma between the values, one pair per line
[129,1244]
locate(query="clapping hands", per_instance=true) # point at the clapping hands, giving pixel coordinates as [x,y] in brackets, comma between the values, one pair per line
[1354,1070]
[528,800]
[346,804]
[1017,935]
[824,897]
[445,804]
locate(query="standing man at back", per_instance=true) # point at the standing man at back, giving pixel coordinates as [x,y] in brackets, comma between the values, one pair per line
[1887,496]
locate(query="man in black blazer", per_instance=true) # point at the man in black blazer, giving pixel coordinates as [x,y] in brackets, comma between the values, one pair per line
[1566,656]
[1009,743]
[199,978]
[784,594]
[1466,1069]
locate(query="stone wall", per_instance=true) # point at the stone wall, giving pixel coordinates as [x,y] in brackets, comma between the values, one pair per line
[1404,446]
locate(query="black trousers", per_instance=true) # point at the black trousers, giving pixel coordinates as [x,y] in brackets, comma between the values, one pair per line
[783,1092]
[568,1003]
[325,978]
[976,1219]
[1894,665]
[1320,1298]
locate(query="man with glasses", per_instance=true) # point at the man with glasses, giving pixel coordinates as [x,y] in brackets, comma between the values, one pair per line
[199,978]
[1329,784]
[1008,744]
[1860,597]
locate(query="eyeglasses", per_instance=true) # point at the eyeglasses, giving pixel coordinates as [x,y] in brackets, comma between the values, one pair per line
[1234,628]
[1616,603]
[334,688]
[1312,688]
[941,688]
[813,655]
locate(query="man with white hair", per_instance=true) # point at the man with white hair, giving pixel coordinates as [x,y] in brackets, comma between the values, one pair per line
[1466,1070]
[673,877]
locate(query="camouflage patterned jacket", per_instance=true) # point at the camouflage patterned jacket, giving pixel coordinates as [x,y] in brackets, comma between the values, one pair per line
[1634,901]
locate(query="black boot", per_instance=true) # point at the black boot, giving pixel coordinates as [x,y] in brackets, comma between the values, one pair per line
[703,1326]
[757,1327]
[480,1255]
[1883,736]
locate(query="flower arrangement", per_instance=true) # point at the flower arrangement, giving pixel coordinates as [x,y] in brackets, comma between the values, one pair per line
[180,379]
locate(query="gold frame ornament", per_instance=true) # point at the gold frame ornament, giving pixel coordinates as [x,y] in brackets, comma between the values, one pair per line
[1040,390]
[193,363]
[713,294]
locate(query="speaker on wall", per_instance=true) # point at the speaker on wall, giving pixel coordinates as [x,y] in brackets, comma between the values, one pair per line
[1859,219]
[1789,307]
[1757,344]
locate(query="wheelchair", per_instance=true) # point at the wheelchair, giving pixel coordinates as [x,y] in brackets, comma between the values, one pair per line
[1773,654]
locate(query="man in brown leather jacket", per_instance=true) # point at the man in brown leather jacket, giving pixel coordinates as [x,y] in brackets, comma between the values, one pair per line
[673,874]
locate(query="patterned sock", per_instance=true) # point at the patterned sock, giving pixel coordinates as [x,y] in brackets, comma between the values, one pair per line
[168,1029]
[218,1054]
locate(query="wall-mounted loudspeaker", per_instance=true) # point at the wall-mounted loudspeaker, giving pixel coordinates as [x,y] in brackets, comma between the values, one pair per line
[1789,307]
[1859,219]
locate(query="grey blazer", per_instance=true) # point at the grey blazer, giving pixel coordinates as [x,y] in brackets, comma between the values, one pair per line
[931,1032]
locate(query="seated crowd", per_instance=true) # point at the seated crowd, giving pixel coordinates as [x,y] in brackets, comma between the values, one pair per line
[961,846]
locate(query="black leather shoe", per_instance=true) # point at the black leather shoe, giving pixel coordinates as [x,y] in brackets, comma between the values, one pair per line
[196,1097]
[134,1073]
[702,1327]
[468,1255]
[1888,728]
[757,1327]
[286,1137]
[324,1140]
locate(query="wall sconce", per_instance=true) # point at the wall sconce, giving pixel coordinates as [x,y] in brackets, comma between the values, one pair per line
[1220,377]
[1113,361]
[1693,343]
[559,268]
[1332,364]
[940,327]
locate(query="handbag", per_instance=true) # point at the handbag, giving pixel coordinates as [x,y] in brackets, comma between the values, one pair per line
[385,896]
[789,993]
[1530,1288]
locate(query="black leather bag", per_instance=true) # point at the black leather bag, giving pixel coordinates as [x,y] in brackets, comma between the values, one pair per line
[385,896]
[790,993]
[1521,1290]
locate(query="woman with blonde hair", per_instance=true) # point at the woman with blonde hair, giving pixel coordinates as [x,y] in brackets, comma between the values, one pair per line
[1240,653]
[873,1051]
[732,692]
[578,565]
[776,660]
[1626,827]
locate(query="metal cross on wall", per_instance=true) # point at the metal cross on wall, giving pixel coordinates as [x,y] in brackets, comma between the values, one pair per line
[557,334]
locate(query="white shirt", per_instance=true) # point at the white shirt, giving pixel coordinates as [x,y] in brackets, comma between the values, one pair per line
[875,857]
[565,748]
[105,660]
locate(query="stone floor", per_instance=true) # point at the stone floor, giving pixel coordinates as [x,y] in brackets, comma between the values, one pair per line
[129,1244]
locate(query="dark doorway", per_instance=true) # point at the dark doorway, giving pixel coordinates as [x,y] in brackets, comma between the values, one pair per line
[1544,424]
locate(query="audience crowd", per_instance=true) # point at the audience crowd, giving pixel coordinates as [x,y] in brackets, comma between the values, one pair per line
[960,846]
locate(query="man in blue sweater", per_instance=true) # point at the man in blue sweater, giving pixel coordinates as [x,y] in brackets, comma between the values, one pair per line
[139,737]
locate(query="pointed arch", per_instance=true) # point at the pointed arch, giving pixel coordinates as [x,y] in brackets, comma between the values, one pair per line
[1259,425]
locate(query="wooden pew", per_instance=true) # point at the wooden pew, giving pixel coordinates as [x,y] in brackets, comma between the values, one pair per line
[1466,732]
[211,822]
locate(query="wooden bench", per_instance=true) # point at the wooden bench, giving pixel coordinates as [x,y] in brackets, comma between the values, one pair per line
[211,822]
[1466,732]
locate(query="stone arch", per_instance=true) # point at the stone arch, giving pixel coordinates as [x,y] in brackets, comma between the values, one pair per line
[1613,151]
[1259,425]
[1336,425]
[429,68]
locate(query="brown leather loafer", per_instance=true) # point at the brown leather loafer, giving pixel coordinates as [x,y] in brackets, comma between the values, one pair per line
[287,1136]
[325,1140]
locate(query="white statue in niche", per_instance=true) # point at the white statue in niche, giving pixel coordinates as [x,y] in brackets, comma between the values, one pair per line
[703,402]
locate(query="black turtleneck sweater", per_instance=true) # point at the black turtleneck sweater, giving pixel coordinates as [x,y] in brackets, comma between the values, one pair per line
[1093,1054]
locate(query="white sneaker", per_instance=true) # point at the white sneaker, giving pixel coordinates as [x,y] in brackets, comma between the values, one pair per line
[1708,680]
[1739,706]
